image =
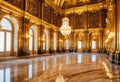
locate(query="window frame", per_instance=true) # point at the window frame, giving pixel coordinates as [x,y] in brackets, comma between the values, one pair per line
[78,44]
[93,44]
[5,52]
[31,35]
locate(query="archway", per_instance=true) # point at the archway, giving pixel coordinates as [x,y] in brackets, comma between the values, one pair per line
[45,39]
[93,41]
[33,40]
[79,42]
[9,34]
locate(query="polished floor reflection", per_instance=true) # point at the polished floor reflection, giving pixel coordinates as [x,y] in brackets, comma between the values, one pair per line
[77,67]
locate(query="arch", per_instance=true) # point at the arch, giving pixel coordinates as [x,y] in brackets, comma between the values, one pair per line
[80,36]
[93,44]
[15,27]
[6,24]
[79,42]
[34,30]
[93,40]
[31,39]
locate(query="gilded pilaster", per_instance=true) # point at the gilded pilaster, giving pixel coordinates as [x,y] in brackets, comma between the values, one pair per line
[86,39]
[24,40]
[100,39]
[41,38]
[118,23]
[51,40]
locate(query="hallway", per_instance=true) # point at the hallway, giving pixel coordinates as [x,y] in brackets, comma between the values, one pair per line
[75,67]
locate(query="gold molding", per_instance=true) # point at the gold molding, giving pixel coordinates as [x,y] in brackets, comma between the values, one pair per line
[80,9]
[90,29]
[55,7]
[8,8]
[91,7]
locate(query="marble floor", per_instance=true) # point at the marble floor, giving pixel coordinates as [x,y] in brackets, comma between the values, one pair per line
[75,67]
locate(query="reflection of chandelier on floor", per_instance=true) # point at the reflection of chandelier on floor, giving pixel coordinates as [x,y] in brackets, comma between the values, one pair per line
[60,76]
[65,29]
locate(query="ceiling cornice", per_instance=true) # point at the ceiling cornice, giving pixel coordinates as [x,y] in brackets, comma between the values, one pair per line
[55,7]
[91,7]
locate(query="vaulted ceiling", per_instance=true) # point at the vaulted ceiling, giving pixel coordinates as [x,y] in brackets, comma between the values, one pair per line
[70,6]
[70,3]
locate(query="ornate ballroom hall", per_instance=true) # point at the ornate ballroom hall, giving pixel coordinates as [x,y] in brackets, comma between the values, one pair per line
[59,41]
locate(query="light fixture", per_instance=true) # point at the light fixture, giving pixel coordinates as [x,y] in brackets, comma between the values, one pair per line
[65,29]
[110,36]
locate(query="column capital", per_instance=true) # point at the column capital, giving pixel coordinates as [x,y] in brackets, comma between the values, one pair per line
[101,31]
[26,20]
[86,31]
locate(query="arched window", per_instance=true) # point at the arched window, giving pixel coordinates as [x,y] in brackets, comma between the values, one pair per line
[6,24]
[67,44]
[44,40]
[6,36]
[55,41]
[93,44]
[31,39]
[79,44]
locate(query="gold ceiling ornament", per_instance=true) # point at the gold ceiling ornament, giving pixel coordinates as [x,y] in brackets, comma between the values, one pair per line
[58,5]
[94,36]
[65,29]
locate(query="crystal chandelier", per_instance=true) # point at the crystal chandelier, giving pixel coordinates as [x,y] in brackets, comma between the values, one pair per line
[65,29]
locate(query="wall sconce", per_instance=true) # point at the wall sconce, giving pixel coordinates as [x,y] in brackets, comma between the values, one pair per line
[26,37]
[43,39]
[111,35]
[60,41]
[94,36]
[106,40]
[107,31]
